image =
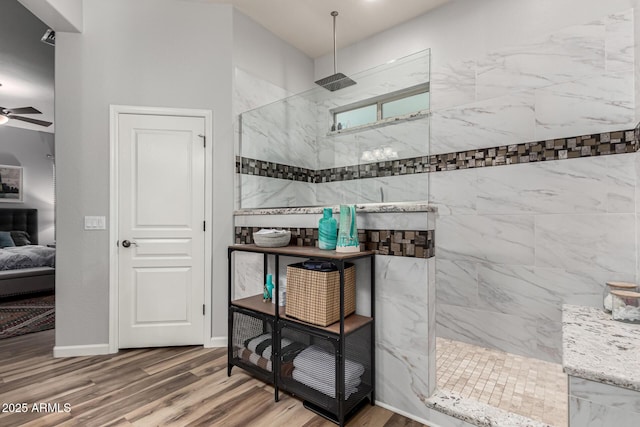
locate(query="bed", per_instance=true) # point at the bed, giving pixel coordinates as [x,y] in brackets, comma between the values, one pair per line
[28,267]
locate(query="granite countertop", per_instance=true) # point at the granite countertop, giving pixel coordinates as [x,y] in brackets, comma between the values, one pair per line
[366,207]
[600,349]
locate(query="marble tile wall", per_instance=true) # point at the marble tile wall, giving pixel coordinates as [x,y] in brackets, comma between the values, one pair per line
[264,192]
[512,248]
[597,404]
[578,80]
[405,350]
[515,243]
[249,92]
[406,140]
[405,188]
[281,132]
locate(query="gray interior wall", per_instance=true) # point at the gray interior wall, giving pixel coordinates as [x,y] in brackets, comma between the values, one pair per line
[151,53]
[259,52]
[29,149]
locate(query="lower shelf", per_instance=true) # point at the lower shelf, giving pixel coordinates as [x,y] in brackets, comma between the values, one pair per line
[332,417]
[325,402]
[255,371]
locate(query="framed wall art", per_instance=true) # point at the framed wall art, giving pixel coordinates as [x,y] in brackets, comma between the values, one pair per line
[11,190]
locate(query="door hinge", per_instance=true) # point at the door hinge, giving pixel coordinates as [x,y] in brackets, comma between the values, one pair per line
[204,225]
[203,309]
[204,140]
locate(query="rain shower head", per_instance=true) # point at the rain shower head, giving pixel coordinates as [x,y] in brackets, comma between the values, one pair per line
[337,80]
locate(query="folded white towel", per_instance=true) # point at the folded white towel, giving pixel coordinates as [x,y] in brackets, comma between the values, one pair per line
[321,386]
[320,364]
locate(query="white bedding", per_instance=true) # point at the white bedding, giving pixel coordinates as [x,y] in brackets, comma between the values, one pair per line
[19,257]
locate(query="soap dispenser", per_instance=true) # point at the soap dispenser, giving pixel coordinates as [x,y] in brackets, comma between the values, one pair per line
[327,230]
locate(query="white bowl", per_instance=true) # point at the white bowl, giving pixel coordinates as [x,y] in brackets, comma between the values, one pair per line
[273,240]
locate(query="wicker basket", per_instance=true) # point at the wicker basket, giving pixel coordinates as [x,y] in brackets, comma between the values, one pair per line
[314,296]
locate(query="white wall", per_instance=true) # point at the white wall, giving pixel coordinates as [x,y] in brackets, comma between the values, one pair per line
[148,53]
[29,149]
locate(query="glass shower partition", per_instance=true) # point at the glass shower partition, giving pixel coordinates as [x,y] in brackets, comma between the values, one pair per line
[367,143]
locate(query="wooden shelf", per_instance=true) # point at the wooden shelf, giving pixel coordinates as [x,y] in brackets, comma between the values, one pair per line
[302,251]
[352,322]
[256,303]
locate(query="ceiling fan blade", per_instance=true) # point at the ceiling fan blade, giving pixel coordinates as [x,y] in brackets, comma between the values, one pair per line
[22,110]
[30,120]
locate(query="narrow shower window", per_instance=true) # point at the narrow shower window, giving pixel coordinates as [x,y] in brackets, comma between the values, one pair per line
[407,105]
[403,103]
[357,117]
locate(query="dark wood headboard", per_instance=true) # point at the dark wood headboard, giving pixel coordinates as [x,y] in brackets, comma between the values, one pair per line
[21,220]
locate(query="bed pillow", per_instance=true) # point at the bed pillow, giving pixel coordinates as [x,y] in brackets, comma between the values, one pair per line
[20,238]
[6,240]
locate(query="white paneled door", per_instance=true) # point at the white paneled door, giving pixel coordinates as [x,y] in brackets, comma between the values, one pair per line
[161,208]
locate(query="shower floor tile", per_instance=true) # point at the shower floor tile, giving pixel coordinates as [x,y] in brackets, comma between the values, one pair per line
[530,387]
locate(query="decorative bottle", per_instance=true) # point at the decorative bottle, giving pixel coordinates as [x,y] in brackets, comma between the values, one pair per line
[327,230]
[268,289]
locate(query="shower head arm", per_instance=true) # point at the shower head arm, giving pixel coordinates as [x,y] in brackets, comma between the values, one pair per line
[335,48]
[336,80]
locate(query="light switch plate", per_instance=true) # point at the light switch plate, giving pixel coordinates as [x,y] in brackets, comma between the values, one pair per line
[95,222]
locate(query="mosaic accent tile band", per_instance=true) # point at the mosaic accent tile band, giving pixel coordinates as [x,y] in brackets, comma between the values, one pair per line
[601,144]
[407,243]
[248,166]
[556,149]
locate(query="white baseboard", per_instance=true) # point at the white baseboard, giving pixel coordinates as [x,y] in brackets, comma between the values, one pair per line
[217,342]
[80,350]
[406,414]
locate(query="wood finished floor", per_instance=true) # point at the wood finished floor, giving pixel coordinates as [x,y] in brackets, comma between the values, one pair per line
[175,386]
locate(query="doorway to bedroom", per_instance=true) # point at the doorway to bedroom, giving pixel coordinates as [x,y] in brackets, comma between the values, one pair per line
[27,174]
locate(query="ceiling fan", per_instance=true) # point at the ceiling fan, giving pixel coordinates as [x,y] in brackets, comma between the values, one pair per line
[11,113]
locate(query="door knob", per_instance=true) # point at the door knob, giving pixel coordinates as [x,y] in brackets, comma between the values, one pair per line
[126,243]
